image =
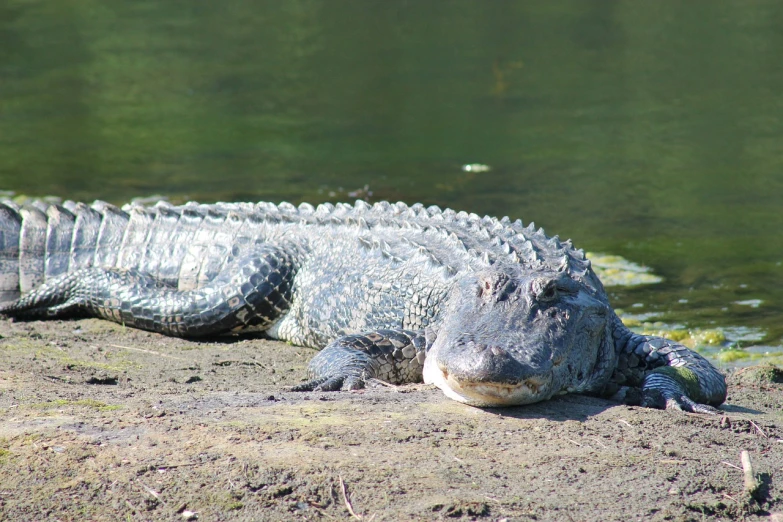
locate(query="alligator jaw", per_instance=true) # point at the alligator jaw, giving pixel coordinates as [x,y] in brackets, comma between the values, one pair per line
[483,394]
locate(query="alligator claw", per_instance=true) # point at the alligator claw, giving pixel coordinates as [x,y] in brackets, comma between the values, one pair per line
[664,392]
[327,384]
[338,367]
[331,384]
[684,403]
[309,385]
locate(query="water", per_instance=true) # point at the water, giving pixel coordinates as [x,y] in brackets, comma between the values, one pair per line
[650,130]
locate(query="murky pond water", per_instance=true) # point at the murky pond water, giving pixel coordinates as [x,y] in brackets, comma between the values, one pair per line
[642,129]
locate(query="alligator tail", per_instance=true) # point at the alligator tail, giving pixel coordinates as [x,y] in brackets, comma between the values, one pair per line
[183,247]
[39,240]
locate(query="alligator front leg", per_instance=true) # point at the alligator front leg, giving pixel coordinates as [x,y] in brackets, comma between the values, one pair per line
[671,375]
[251,290]
[347,363]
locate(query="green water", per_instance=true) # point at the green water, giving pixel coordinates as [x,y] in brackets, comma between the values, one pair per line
[651,130]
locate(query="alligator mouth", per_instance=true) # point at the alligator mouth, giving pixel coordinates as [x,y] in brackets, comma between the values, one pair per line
[487,394]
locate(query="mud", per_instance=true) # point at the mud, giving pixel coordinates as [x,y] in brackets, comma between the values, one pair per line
[101,422]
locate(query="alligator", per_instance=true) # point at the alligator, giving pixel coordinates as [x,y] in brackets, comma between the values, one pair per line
[493,312]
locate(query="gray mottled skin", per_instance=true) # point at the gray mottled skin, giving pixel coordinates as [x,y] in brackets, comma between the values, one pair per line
[492,312]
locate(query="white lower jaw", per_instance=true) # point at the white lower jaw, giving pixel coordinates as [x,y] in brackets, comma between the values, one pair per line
[485,395]
[433,375]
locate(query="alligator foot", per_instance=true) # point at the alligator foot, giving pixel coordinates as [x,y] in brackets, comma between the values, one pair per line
[665,388]
[673,376]
[338,383]
[348,363]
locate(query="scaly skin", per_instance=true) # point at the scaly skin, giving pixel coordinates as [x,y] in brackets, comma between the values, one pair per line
[492,312]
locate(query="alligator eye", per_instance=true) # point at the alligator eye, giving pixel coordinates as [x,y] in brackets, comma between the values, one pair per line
[485,289]
[548,293]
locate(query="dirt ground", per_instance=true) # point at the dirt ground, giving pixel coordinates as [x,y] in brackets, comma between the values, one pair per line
[102,422]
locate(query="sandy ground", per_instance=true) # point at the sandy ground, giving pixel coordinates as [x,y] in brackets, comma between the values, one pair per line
[101,422]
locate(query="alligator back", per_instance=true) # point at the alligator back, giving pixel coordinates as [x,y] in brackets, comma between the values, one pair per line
[186,246]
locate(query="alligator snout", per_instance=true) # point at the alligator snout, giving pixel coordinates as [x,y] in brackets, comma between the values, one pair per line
[483,364]
[486,375]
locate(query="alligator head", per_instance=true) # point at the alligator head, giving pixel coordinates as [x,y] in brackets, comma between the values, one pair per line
[510,336]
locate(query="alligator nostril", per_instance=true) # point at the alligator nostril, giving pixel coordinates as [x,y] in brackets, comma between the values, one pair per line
[476,362]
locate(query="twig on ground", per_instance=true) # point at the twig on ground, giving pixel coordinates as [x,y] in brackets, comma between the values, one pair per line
[180,465]
[347,502]
[230,362]
[751,484]
[147,351]
[743,370]
[319,509]
[758,429]
[730,464]
[56,379]
[149,489]
[384,383]
[574,442]
[625,422]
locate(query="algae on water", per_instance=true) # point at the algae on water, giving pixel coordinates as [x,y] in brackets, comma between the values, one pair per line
[618,271]
[722,345]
